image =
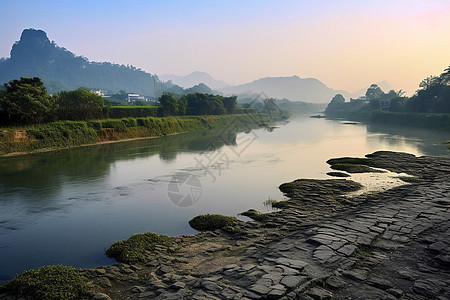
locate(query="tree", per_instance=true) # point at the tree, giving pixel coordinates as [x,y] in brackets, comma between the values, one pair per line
[337,103]
[169,104]
[445,77]
[26,101]
[429,82]
[230,103]
[80,104]
[374,92]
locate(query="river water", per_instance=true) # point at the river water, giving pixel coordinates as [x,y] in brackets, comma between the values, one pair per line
[67,207]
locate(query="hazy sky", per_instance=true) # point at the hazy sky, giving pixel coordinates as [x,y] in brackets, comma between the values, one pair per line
[346,44]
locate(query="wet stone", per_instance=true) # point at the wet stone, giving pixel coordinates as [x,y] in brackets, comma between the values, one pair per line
[347,249]
[335,282]
[356,274]
[320,293]
[101,296]
[293,281]
[380,283]
[426,288]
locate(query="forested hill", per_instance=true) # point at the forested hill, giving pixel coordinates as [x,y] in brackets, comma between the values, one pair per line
[35,56]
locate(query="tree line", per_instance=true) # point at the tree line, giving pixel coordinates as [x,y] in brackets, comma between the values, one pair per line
[25,101]
[197,104]
[433,96]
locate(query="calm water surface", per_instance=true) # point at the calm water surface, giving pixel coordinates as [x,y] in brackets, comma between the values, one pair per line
[67,207]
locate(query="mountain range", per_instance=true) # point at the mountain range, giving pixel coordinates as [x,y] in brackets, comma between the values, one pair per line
[35,55]
[194,78]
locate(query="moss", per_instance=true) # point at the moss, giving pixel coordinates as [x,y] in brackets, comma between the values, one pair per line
[338,174]
[280,204]
[133,250]
[362,251]
[212,222]
[256,215]
[355,168]
[349,160]
[50,283]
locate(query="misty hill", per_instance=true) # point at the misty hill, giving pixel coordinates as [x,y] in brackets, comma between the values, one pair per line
[293,88]
[60,69]
[194,78]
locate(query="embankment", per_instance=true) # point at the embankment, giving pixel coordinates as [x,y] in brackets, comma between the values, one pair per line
[65,134]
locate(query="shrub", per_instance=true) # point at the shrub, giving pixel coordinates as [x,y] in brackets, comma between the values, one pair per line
[97,125]
[130,122]
[118,112]
[116,124]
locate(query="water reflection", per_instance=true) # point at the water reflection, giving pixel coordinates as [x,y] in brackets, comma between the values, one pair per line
[427,142]
[47,172]
[68,206]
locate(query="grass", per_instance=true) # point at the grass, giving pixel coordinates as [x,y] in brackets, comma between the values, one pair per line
[269,202]
[69,133]
[134,249]
[49,283]
[211,222]
[362,251]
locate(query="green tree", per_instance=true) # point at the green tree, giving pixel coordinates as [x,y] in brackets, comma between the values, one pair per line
[230,103]
[429,82]
[26,101]
[80,104]
[120,96]
[374,92]
[169,105]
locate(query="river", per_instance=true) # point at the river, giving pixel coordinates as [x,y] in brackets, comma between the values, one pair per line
[68,206]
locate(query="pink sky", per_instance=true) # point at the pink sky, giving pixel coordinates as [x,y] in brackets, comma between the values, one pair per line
[345,44]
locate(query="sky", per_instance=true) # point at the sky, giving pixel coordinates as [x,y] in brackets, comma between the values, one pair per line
[346,44]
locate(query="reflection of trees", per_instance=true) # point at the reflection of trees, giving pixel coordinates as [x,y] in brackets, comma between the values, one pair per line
[50,170]
[426,141]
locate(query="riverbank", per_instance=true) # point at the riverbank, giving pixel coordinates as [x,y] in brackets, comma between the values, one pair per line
[60,135]
[323,243]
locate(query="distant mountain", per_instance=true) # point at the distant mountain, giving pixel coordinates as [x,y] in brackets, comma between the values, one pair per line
[194,78]
[60,69]
[293,88]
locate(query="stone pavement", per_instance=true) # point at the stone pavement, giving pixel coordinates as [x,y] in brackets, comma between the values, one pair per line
[322,245]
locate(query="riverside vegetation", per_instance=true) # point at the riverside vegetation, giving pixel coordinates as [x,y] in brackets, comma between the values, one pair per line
[34,120]
[429,107]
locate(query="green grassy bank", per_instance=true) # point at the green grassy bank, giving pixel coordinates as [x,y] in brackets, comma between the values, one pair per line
[76,133]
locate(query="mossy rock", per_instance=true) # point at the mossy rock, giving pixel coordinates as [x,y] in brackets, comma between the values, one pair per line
[49,283]
[349,160]
[338,174]
[256,215]
[280,204]
[355,168]
[211,222]
[133,250]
